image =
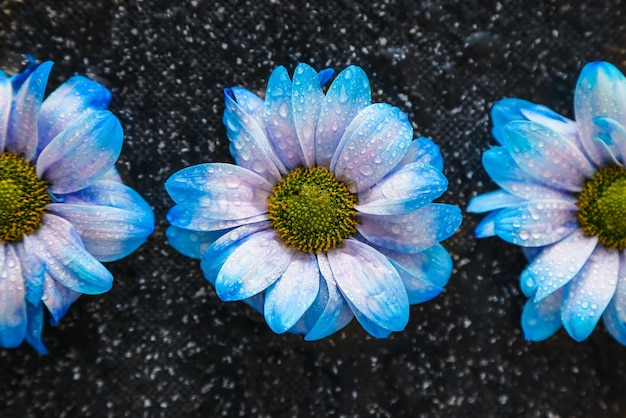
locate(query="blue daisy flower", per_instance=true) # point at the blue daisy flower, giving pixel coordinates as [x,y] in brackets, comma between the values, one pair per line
[327,215]
[563,198]
[63,207]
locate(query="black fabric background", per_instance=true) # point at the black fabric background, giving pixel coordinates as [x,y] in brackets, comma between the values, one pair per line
[161,344]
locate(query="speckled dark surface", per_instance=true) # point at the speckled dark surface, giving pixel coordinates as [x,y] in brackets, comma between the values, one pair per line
[161,344]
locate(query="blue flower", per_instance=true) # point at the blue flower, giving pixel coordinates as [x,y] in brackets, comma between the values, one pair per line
[563,198]
[328,213]
[63,207]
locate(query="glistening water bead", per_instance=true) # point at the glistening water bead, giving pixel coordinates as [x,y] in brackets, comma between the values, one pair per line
[602,206]
[312,211]
[23,197]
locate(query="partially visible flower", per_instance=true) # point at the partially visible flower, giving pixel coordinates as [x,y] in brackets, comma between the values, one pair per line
[63,207]
[563,199]
[328,213]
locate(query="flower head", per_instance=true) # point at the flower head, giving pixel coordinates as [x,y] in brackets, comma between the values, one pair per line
[328,213]
[563,198]
[63,207]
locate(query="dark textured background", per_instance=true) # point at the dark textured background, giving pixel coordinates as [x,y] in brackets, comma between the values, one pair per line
[161,344]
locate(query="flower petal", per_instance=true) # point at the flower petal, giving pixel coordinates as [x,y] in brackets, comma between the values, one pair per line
[615,314]
[612,134]
[13,318]
[66,259]
[242,276]
[537,223]
[250,145]
[541,319]
[22,134]
[487,226]
[34,313]
[372,145]
[33,270]
[279,119]
[403,190]
[600,92]
[191,243]
[546,155]
[6,99]
[81,153]
[555,266]
[411,232]
[422,150]
[346,97]
[368,281]
[199,219]
[57,298]
[225,191]
[505,172]
[335,311]
[497,199]
[589,292]
[368,325]
[306,103]
[293,293]
[67,104]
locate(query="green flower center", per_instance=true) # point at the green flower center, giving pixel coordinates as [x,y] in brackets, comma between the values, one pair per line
[23,197]
[312,211]
[602,206]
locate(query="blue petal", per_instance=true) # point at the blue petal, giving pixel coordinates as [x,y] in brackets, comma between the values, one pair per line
[306,102]
[293,293]
[57,298]
[66,259]
[422,150]
[32,271]
[325,75]
[225,191]
[371,284]
[555,266]
[368,325]
[403,190]
[81,153]
[67,104]
[505,172]
[541,319]
[329,312]
[250,144]
[600,92]
[346,97]
[6,99]
[35,326]
[190,243]
[250,103]
[424,274]
[279,119]
[615,314]
[546,155]
[487,226]
[22,133]
[218,252]
[497,199]
[199,219]
[411,232]
[112,227]
[372,145]
[589,292]
[613,134]
[537,223]
[253,266]
[13,319]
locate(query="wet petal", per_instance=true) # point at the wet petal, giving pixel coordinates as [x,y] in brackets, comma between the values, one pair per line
[13,319]
[368,325]
[547,155]
[67,104]
[411,232]
[373,144]
[67,261]
[306,102]
[371,284]
[293,293]
[422,150]
[541,319]
[557,264]
[537,223]
[191,243]
[589,292]
[487,226]
[403,190]
[199,219]
[600,92]
[613,134]
[32,271]
[346,97]
[279,119]
[615,314]
[22,133]
[57,298]
[6,98]
[81,153]
[497,199]
[253,266]
[225,191]
[34,313]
